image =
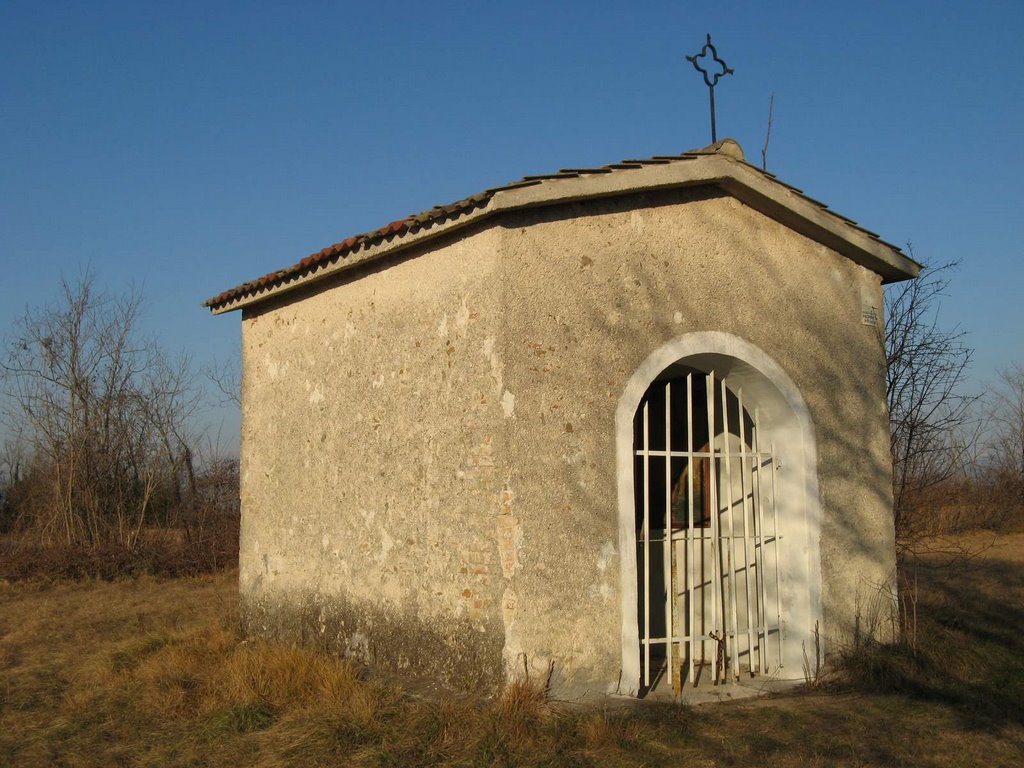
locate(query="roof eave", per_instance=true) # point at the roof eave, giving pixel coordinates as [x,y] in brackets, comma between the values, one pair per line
[740,180]
[737,178]
[368,252]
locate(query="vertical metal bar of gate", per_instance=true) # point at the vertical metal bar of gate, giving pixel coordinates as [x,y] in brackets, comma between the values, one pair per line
[667,537]
[645,535]
[730,561]
[761,571]
[691,531]
[775,535]
[745,484]
[711,482]
[758,541]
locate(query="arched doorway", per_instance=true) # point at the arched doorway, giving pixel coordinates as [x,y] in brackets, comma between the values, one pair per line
[718,513]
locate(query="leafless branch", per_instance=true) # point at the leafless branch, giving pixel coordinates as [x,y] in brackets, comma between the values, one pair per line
[929,413]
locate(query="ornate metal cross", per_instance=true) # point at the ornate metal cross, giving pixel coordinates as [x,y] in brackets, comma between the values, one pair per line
[716,68]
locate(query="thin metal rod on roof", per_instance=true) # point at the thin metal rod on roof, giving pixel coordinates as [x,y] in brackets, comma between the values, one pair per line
[718,68]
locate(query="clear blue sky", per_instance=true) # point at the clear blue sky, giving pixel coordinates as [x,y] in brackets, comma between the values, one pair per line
[185,147]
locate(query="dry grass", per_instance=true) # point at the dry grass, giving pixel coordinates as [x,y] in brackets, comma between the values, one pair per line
[151,672]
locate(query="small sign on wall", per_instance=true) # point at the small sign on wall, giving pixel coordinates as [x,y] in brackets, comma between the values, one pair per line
[870,312]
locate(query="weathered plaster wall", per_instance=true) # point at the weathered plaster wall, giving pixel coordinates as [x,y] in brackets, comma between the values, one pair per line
[591,291]
[371,422]
[429,459]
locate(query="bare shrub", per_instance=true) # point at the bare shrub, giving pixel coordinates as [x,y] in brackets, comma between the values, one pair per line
[1004,457]
[929,413]
[101,452]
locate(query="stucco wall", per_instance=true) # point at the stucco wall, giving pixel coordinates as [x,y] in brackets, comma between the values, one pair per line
[370,429]
[429,466]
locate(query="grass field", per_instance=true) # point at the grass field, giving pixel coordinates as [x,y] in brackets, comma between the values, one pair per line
[151,672]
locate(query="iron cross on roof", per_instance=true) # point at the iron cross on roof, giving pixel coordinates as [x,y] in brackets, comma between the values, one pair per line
[715,69]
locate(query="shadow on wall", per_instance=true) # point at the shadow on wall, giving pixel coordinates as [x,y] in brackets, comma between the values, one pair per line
[642,305]
[454,654]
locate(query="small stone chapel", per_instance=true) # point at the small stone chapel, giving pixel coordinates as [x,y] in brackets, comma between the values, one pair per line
[623,425]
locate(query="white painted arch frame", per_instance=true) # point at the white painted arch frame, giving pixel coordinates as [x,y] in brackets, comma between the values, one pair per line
[786,420]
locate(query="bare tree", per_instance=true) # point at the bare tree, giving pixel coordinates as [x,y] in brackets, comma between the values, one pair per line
[104,414]
[928,409]
[13,465]
[1005,455]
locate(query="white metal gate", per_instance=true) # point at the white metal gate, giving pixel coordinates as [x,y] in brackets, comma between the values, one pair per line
[707,534]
